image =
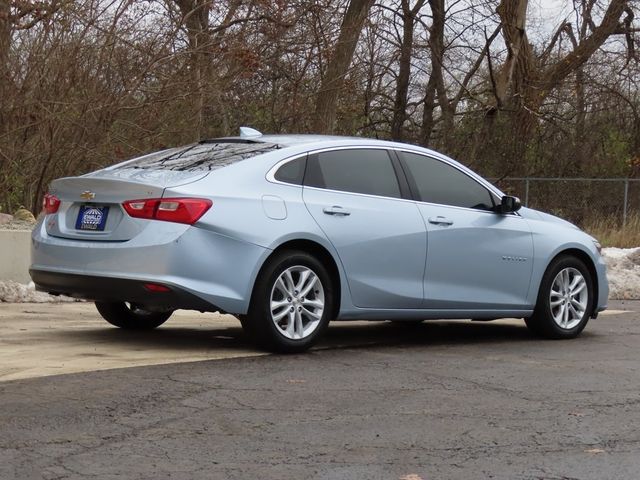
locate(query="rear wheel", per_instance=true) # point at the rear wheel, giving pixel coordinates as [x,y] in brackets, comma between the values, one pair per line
[131,316]
[291,303]
[565,300]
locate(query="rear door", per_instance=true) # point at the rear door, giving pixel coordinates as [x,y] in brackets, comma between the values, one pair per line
[477,258]
[357,200]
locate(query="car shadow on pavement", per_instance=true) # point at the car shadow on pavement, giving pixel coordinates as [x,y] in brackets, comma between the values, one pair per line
[166,337]
[438,332]
[338,335]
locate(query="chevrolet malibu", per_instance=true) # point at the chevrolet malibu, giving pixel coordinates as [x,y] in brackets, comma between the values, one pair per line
[289,232]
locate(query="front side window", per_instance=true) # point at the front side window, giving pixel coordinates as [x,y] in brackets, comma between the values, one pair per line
[368,171]
[439,182]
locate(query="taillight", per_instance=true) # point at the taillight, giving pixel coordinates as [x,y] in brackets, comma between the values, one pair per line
[50,204]
[141,208]
[156,288]
[179,210]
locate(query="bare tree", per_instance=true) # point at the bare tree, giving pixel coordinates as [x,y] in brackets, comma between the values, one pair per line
[327,97]
[435,85]
[409,14]
[87,83]
[523,82]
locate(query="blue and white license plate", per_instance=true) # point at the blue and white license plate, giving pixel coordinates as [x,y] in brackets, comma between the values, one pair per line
[92,217]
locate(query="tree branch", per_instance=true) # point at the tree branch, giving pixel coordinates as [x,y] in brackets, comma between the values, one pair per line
[553,75]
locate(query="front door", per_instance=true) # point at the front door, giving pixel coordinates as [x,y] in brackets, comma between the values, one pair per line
[477,258]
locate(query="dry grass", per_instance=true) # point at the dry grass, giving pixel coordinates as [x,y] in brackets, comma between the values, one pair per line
[610,232]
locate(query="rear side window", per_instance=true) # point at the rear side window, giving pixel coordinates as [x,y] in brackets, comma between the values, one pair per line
[292,172]
[366,171]
[439,182]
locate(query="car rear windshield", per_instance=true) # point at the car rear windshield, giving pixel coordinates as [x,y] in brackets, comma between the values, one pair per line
[202,156]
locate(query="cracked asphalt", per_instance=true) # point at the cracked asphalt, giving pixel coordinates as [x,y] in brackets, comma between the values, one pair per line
[439,400]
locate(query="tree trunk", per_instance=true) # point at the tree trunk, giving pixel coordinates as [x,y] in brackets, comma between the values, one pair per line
[327,97]
[5,34]
[5,45]
[438,10]
[195,15]
[428,121]
[581,113]
[436,86]
[404,70]
[5,80]
[510,79]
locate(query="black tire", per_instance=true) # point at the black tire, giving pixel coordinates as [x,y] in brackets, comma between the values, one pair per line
[130,316]
[259,324]
[543,322]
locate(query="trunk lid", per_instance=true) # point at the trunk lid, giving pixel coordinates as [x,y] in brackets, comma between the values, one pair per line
[91,205]
[100,194]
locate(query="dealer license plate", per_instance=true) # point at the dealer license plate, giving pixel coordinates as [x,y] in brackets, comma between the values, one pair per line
[92,217]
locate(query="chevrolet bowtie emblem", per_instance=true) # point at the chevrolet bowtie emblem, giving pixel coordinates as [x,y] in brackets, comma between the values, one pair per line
[87,195]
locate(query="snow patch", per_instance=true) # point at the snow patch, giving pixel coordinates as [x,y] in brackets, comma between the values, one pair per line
[623,272]
[14,292]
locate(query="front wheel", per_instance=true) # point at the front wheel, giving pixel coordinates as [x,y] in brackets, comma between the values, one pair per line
[291,303]
[565,300]
[131,316]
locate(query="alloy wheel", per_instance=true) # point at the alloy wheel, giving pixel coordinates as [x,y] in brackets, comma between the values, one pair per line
[297,302]
[568,298]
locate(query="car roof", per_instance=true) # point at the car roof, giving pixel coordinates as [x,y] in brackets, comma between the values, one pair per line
[299,140]
[287,140]
[254,145]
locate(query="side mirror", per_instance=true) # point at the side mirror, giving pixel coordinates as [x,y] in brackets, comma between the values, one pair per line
[509,204]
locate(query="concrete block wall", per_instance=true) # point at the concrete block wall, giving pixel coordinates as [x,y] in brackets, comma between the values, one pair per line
[15,255]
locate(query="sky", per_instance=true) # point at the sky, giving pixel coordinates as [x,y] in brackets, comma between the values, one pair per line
[552,7]
[549,13]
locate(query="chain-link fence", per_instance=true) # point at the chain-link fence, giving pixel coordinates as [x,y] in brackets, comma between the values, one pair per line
[579,200]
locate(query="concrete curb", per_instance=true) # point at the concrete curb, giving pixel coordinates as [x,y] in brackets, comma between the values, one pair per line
[15,255]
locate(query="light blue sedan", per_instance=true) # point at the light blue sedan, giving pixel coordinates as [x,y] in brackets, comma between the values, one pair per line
[289,232]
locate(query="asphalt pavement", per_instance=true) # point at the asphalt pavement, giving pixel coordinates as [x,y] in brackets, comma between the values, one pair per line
[438,400]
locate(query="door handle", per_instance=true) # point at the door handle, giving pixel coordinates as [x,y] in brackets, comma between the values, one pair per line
[336,210]
[440,220]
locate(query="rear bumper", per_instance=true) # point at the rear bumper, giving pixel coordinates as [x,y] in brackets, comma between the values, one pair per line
[204,270]
[117,289]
